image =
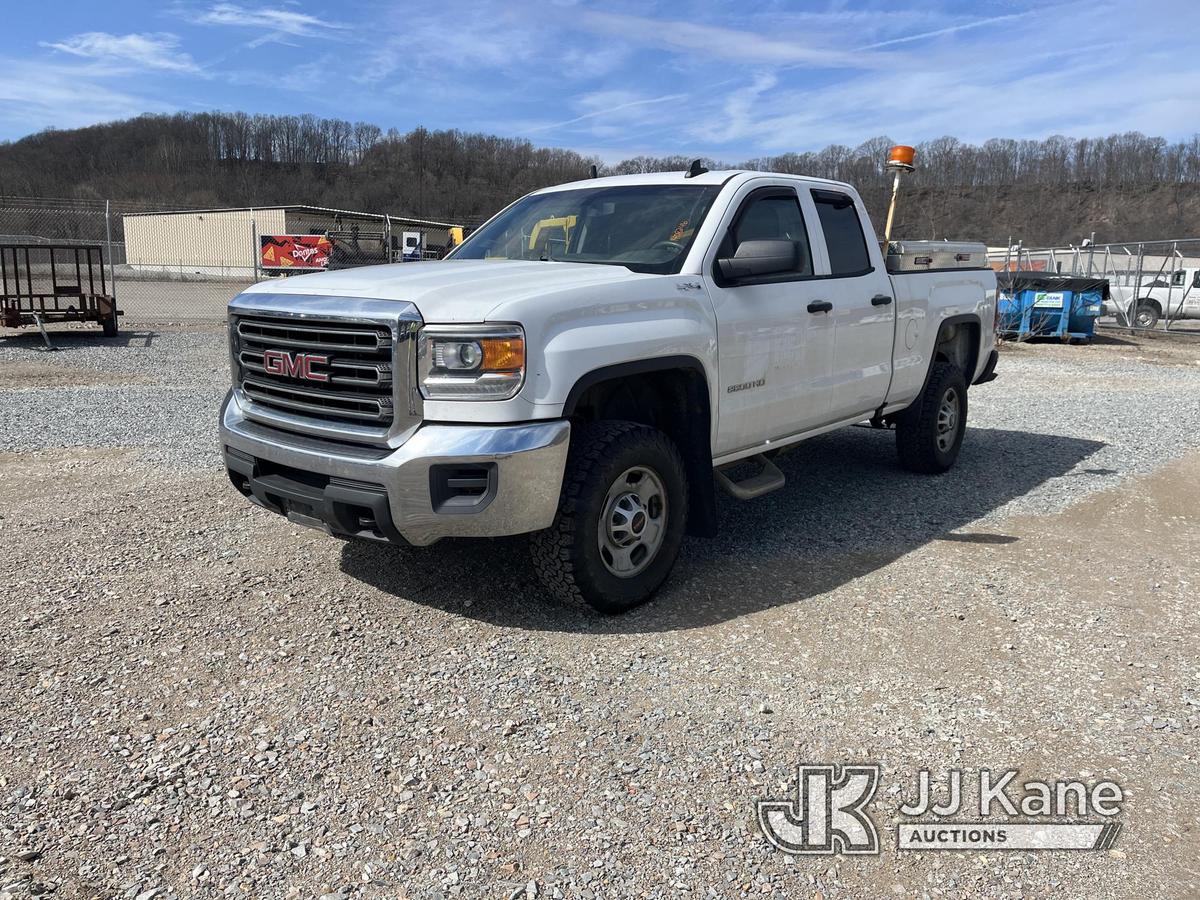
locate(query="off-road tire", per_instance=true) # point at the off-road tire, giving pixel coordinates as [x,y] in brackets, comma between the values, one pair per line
[917,427]
[567,555]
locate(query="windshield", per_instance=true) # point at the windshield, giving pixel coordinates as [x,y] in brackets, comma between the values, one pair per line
[647,228]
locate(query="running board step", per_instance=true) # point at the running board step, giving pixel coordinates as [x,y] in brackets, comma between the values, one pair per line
[768,479]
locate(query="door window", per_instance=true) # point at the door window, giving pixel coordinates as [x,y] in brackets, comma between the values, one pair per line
[843,233]
[773,216]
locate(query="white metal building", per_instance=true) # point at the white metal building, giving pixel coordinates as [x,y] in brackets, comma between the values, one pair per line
[225,242]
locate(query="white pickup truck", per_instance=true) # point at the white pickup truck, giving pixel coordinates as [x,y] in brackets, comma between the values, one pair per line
[1175,295]
[591,362]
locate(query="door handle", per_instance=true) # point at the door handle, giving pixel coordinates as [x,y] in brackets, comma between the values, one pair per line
[820,306]
[881,299]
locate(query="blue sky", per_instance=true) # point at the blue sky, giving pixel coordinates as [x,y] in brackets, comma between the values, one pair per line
[732,80]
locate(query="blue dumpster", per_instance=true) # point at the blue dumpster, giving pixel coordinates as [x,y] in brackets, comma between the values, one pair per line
[1037,304]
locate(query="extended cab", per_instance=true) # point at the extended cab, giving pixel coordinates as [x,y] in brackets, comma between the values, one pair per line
[590,363]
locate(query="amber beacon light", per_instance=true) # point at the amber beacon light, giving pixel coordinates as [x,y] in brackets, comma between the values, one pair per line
[900,160]
[901,157]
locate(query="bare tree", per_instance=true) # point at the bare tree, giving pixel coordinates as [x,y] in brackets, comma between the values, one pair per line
[1122,186]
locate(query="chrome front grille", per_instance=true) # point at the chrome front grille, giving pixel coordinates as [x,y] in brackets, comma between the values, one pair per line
[349,379]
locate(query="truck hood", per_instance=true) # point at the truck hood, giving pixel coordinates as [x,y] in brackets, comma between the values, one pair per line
[471,290]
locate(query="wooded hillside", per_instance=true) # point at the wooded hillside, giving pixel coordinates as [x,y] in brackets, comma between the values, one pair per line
[1055,191]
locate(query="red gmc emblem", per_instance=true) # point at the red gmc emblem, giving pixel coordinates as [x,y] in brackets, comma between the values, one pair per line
[295,365]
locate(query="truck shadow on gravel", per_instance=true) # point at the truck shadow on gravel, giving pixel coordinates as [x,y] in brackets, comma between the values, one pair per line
[847,509]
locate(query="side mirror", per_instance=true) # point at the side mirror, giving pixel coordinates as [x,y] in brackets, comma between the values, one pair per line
[754,258]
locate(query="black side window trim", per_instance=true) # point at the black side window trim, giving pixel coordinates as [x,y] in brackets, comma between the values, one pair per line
[760,193]
[840,200]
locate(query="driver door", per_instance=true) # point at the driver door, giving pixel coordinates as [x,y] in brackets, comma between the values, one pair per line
[1191,296]
[774,332]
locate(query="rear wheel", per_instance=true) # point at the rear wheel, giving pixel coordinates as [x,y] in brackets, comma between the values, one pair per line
[620,520]
[1146,315]
[929,433]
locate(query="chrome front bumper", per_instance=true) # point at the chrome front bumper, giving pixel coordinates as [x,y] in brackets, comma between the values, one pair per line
[514,473]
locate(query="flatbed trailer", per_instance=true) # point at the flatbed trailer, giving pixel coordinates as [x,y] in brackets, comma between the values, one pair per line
[48,283]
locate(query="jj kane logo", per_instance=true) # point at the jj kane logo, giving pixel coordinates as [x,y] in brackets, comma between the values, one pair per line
[830,813]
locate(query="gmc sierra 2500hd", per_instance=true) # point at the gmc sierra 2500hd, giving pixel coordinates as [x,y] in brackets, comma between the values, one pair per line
[588,363]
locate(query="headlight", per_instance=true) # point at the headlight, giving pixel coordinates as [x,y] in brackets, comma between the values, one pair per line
[471,362]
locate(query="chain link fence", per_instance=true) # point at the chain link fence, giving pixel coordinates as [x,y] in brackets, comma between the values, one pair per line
[170,265]
[1152,284]
[179,266]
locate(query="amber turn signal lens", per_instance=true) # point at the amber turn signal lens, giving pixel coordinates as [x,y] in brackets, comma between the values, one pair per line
[503,354]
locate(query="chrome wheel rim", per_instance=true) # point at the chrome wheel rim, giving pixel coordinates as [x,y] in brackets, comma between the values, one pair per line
[1144,320]
[947,420]
[633,522]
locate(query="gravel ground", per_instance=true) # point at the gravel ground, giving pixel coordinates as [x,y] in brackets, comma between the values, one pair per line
[200,699]
[145,300]
[175,380]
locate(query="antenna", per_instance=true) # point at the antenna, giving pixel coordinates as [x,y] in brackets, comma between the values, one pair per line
[696,168]
[595,171]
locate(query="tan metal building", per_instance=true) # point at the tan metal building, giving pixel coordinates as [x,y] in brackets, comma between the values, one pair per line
[225,242]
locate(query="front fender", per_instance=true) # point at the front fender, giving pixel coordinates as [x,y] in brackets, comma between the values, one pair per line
[626,330]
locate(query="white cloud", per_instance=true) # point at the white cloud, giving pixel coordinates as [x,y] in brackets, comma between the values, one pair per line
[487,56]
[275,22]
[142,51]
[700,79]
[35,96]
[595,61]
[739,110]
[609,105]
[709,43]
[437,47]
[1058,78]
[948,29]
[1032,71]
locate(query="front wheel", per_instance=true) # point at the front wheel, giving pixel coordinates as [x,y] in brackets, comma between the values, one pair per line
[929,433]
[620,519]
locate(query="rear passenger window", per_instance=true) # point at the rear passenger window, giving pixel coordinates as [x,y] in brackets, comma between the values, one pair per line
[843,233]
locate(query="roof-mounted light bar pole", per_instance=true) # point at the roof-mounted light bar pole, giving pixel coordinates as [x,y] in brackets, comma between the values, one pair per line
[900,160]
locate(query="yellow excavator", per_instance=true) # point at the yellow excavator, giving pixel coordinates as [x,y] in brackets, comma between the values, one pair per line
[557,229]
[546,230]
